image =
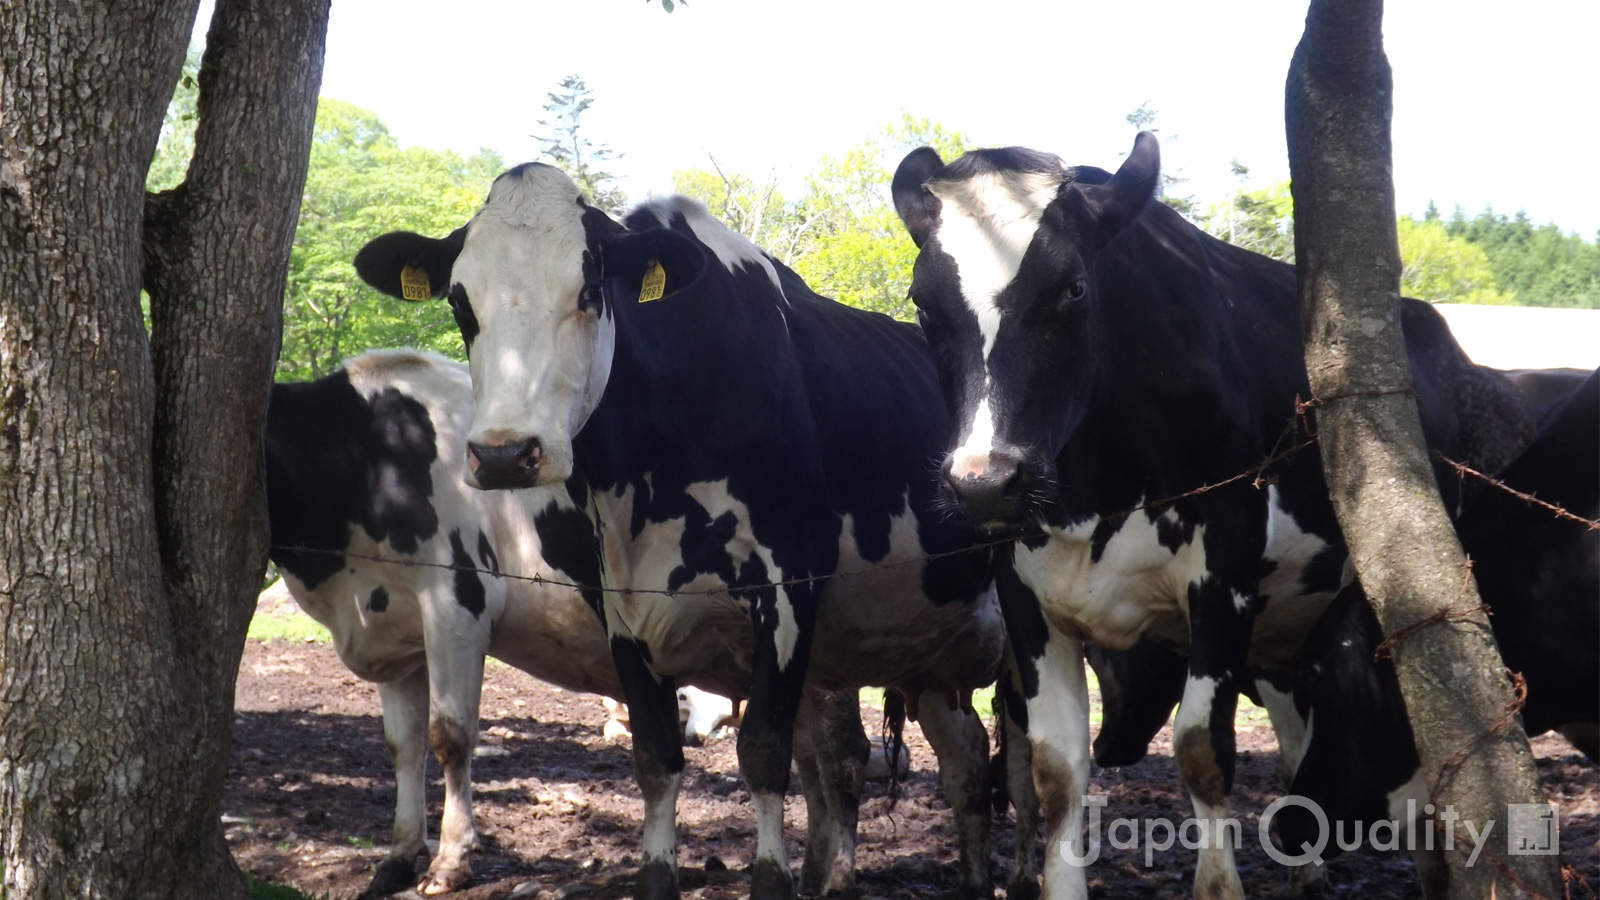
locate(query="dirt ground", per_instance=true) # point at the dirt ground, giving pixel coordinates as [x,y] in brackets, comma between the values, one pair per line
[310,797]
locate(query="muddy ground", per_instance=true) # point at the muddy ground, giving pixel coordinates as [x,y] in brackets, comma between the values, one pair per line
[310,797]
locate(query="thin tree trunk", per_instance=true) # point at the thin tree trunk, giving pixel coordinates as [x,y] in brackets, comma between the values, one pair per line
[131,525]
[1401,540]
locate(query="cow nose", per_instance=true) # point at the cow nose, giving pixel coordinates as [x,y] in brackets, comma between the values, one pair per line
[514,464]
[998,493]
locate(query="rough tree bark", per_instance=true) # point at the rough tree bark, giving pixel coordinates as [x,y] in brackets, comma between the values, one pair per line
[1401,540]
[132,529]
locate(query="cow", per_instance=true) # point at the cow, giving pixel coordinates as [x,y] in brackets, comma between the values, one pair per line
[1538,573]
[380,540]
[1122,392]
[759,457]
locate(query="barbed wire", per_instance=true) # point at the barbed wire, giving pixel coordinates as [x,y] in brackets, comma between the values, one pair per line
[1462,470]
[1022,535]
[1297,424]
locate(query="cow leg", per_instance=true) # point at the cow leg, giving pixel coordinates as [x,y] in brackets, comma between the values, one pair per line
[405,730]
[1220,621]
[960,741]
[766,737]
[455,682]
[657,763]
[1024,881]
[1276,689]
[1055,712]
[1058,731]
[831,751]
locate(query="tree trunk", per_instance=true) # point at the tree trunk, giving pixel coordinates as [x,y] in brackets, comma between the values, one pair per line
[132,534]
[1401,540]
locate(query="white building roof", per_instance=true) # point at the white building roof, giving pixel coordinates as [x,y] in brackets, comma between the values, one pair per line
[1526,337]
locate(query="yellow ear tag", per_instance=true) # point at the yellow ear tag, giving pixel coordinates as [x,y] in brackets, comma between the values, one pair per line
[414,283]
[654,283]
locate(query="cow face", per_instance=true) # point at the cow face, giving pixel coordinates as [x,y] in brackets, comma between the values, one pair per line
[523,279]
[1006,292]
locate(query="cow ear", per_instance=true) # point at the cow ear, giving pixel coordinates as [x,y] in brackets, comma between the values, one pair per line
[640,266]
[917,208]
[393,262]
[1126,194]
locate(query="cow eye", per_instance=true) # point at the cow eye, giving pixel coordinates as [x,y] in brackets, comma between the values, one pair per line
[457,297]
[1077,290]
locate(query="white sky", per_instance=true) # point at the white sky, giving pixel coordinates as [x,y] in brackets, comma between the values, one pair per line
[1494,103]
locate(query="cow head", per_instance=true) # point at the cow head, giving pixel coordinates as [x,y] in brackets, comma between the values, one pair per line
[1005,289]
[526,281]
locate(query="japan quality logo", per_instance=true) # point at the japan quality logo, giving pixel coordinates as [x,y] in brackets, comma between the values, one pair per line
[1533,829]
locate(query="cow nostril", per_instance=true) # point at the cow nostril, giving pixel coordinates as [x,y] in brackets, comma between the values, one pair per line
[472,460]
[530,455]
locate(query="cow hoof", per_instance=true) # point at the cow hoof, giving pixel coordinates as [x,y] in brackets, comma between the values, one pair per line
[770,882]
[444,882]
[392,877]
[657,880]
[1023,889]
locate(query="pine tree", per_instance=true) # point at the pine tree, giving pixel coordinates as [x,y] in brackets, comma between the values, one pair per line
[566,148]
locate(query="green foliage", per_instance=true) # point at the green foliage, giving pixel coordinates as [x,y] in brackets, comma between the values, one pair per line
[566,148]
[360,184]
[842,235]
[177,129]
[1259,220]
[1438,267]
[1540,266]
[854,248]
[754,209]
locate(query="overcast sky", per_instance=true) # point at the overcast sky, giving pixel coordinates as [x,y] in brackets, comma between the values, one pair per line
[1494,103]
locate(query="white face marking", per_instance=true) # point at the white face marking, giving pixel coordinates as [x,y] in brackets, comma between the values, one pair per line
[539,363]
[972,457]
[985,225]
[1137,583]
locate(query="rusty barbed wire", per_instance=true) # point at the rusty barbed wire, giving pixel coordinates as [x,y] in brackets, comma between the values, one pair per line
[1385,650]
[1027,534]
[1463,470]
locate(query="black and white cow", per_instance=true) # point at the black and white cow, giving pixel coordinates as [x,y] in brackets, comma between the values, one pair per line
[745,439]
[1098,354]
[369,462]
[365,462]
[1540,576]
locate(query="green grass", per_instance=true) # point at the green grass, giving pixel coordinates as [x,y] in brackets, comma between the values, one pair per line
[287,625]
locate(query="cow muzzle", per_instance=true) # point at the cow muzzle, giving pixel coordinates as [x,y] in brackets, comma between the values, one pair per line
[999,494]
[501,463]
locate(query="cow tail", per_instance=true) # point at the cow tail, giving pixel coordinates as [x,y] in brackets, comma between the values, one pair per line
[894,724]
[999,788]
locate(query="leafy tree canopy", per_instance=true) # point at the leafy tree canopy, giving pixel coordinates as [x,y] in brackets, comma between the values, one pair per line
[361,184]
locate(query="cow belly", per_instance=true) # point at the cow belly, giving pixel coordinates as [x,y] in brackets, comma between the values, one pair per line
[1138,584]
[551,634]
[376,645]
[876,626]
[872,634]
